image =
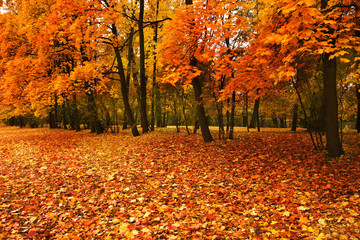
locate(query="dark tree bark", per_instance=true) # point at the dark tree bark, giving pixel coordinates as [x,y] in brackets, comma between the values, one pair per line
[295,80]
[255,115]
[159,110]
[220,120]
[75,113]
[274,120]
[129,70]
[294,118]
[283,122]
[185,117]
[258,120]
[196,123]
[247,111]
[227,118]
[244,120]
[22,121]
[95,124]
[164,120]
[143,80]
[333,144]
[63,115]
[124,90]
[106,114]
[196,83]
[154,84]
[71,115]
[56,112]
[53,115]
[177,116]
[358,108]
[205,131]
[232,116]
[219,108]
[52,119]
[158,107]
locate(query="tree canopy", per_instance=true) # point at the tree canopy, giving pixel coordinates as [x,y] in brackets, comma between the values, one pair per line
[75,59]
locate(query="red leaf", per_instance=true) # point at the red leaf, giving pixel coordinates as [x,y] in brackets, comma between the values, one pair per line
[32,233]
[210,217]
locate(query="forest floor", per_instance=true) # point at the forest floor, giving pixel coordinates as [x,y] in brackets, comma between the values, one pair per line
[61,184]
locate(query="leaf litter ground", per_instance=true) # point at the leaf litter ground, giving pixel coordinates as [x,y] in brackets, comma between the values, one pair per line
[58,184]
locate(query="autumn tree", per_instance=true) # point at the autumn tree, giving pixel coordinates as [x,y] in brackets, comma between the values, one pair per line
[196,49]
[20,69]
[326,31]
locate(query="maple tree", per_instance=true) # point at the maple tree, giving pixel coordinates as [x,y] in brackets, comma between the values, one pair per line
[201,47]
[327,31]
[70,62]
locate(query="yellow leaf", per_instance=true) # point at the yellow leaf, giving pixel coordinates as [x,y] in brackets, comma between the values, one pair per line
[123,228]
[303,220]
[322,222]
[344,60]
[351,220]
[113,196]
[310,229]
[321,236]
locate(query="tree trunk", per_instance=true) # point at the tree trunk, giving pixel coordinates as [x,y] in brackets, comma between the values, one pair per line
[143,80]
[244,120]
[56,113]
[232,116]
[176,114]
[196,123]
[358,108]
[124,91]
[253,121]
[333,144]
[274,120]
[258,119]
[63,115]
[227,117]
[205,131]
[164,120]
[51,119]
[295,118]
[71,116]
[247,111]
[294,81]
[154,84]
[220,120]
[282,122]
[76,113]
[129,70]
[95,124]
[158,107]
[185,117]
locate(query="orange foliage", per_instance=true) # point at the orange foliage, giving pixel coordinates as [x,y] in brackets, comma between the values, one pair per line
[56,184]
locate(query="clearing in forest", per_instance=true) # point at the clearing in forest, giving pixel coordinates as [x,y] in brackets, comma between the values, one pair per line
[75,185]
